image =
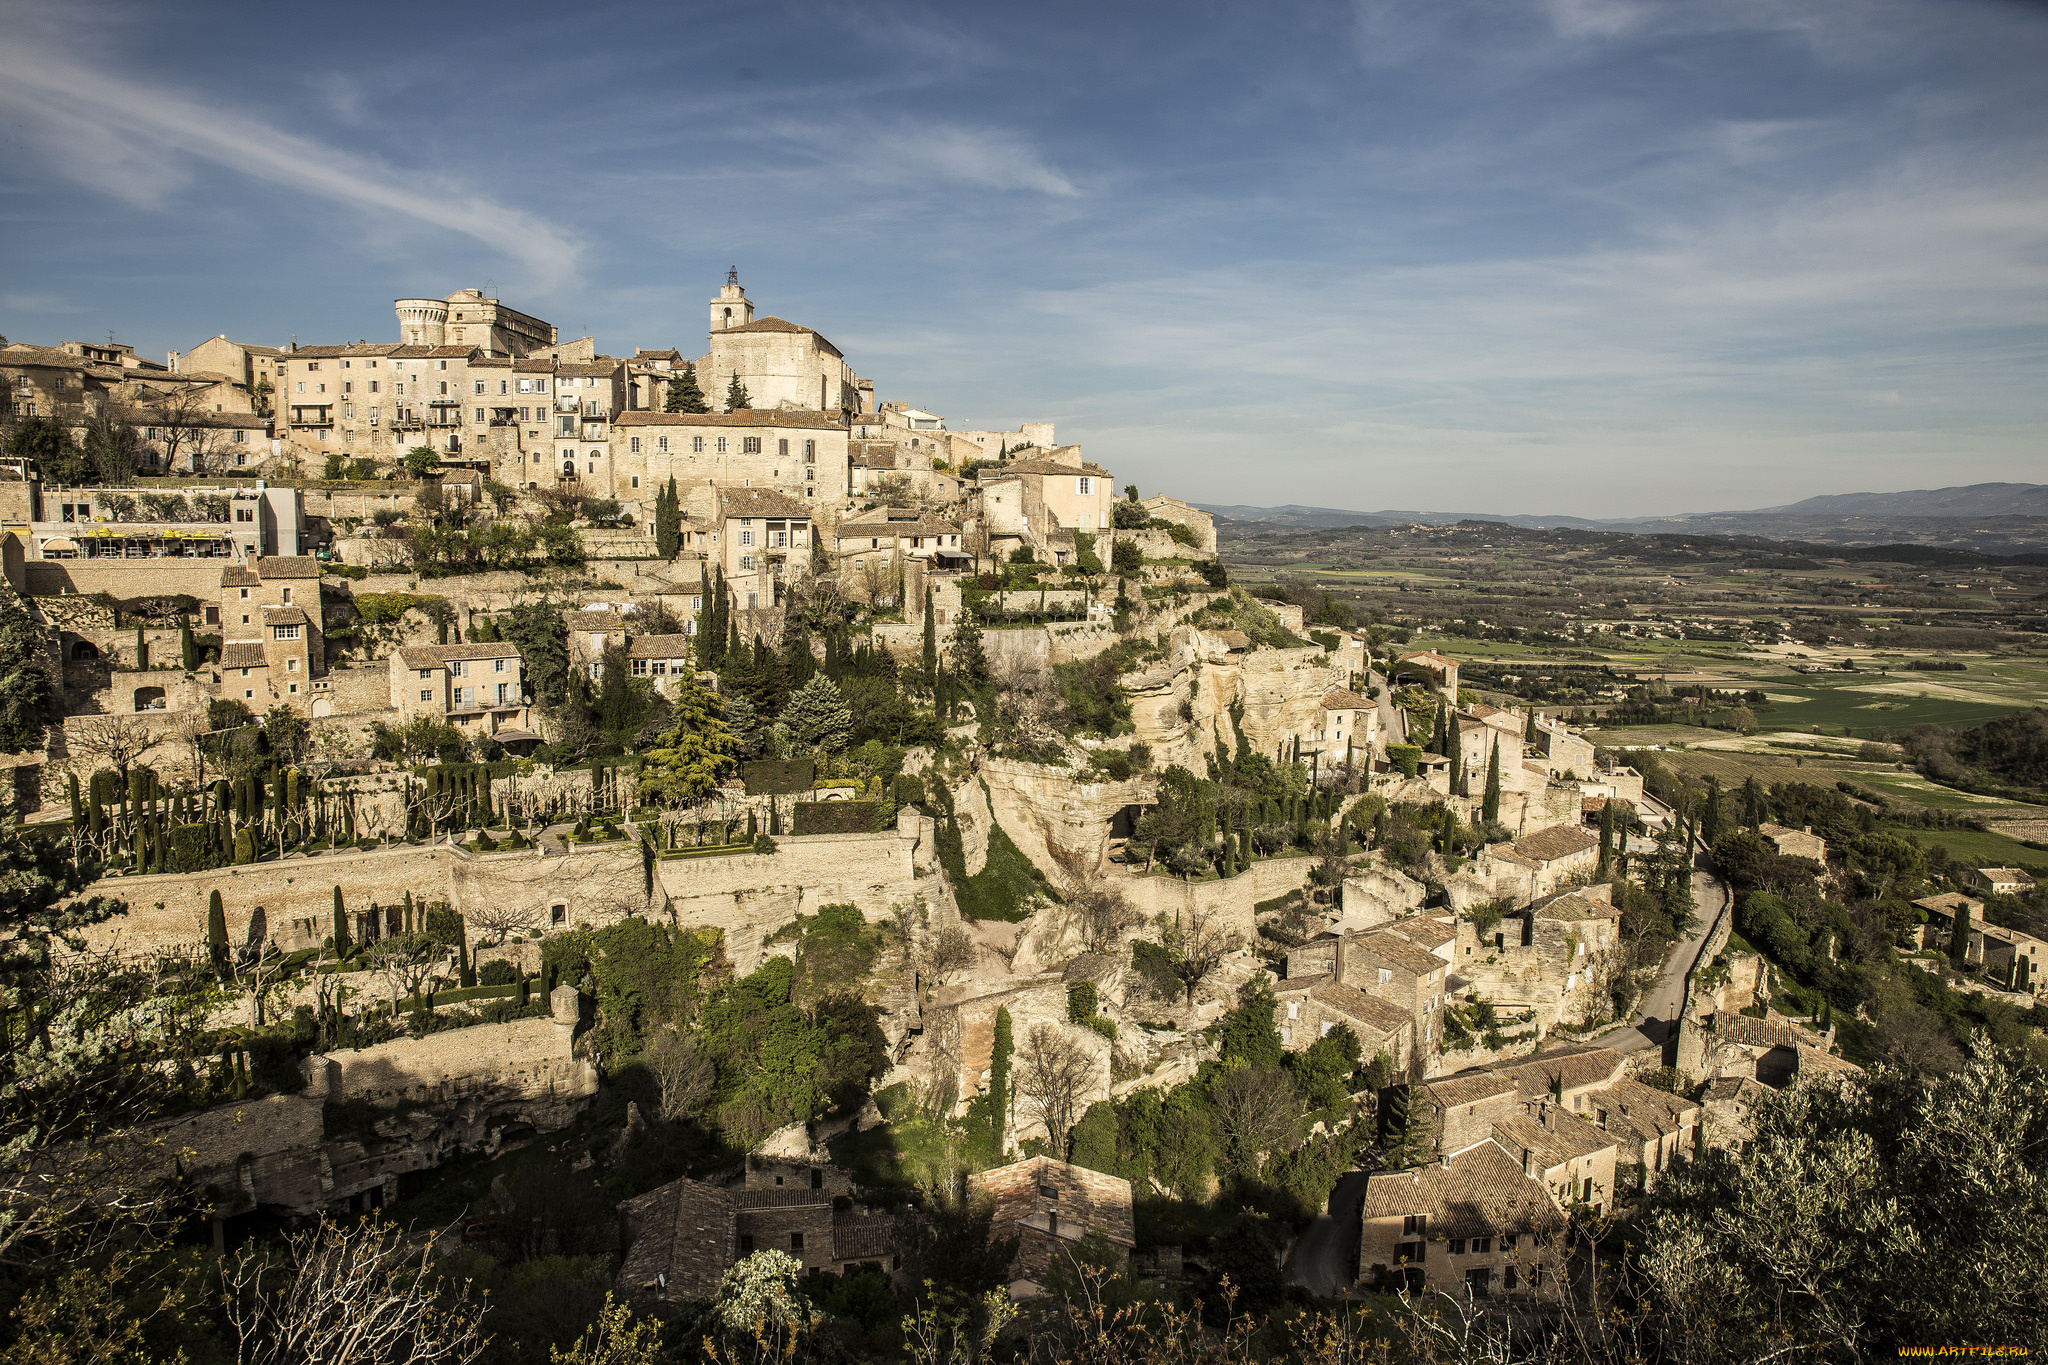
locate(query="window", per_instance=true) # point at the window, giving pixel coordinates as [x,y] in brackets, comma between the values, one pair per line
[746,537]
[747,562]
[746,1243]
[1387,977]
[455,669]
[347,386]
[502,689]
[301,386]
[782,447]
[1415,1225]
[1457,1246]
[721,445]
[442,365]
[796,1241]
[311,366]
[373,386]
[696,604]
[497,665]
[634,445]
[1507,1279]
[479,414]
[558,914]
[426,694]
[810,452]
[1482,1245]
[479,386]
[696,445]
[636,481]
[284,632]
[1586,1191]
[1508,1240]
[1084,485]
[639,668]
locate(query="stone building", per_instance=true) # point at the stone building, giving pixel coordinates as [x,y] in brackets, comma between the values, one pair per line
[1540,863]
[2012,958]
[1047,1205]
[1350,726]
[272,642]
[1427,668]
[1308,1008]
[797,453]
[780,364]
[900,530]
[765,545]
[474,687]
[468,319]
[1476,1224]
[1796,843]
[1028,502]
[1555,957]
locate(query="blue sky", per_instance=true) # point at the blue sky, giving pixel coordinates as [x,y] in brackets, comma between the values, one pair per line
[1608,257]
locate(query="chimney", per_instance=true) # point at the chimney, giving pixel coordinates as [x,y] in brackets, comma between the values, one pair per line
[1529,1163]
[1548,1122]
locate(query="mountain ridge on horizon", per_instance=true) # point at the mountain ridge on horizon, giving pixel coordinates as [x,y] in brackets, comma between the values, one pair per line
[1963,500]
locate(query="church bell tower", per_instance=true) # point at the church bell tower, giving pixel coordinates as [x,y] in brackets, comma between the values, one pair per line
[731,308]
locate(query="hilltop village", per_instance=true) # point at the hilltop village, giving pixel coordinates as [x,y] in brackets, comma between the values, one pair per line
[786,812]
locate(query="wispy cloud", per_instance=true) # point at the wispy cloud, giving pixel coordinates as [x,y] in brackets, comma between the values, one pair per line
[140,142]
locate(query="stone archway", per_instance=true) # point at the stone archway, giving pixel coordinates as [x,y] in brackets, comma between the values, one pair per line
[149,699]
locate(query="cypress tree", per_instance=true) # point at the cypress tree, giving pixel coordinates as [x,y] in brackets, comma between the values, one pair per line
[1489,809]
[188,648]
[1438,743]
[1457,757]
[141,650]
[1606,838]
[245,846]
[77,803]
[707,617]
[217,932]
[340,926]
[930,659]
[999,1074]
[1959,938]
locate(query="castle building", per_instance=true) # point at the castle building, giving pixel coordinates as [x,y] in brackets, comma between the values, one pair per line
[468,319]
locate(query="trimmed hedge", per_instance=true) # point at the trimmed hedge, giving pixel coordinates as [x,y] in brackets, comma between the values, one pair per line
[714,851]
[777,777]
[837,817]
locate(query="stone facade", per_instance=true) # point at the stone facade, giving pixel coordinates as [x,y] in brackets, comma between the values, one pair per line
[1047,1205]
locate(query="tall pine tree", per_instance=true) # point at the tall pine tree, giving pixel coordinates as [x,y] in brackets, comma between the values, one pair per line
[931,644]
[683,393]
[668,521]
[736,396]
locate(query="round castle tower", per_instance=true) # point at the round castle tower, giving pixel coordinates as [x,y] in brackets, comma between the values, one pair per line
[422,322]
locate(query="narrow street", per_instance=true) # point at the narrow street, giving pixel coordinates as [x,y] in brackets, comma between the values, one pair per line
[1325,1257]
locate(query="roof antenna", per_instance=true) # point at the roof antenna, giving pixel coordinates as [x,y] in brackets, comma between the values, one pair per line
[732,276]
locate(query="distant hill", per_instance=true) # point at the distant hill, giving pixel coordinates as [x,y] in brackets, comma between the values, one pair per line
[1990,518]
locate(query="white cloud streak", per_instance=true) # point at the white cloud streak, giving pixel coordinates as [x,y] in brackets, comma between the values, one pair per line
[137,142]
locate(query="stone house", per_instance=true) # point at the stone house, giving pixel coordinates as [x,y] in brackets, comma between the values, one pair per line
[1540,863]
[474,687]
[1475,1224]
[1564,752]
[1652,1127]
[271,623]
[1026,502]
[1047,1204]
[590,633]
[767,540]
[2011,957]
[1796,843]
[1427,668]
[1348,727]
[1555,957]
[1307,1008]
[2003,881]
[900,530]
[662,657]
[1388,966]
[799,454]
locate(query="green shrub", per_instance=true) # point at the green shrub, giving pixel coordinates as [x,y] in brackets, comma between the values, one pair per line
[498,972]
[1112,763]
[836,817]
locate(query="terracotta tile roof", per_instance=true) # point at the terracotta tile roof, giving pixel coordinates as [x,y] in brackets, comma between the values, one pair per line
[1592,805]
[659,647]
[440,656]
[1559,841]
[1344,699]
[1375,1014]
[775,324]
[1572,906]
[242,654]
[1470,1087]
[1567,1068]
[1397,950]
[1424,931]
[1947,903]
[1041,467]
[682,1231]
[760,502]
[1565,1136]
[595,369]
[593,620]
[1774,1030]
[1643,1110]
[1426,656]
[288,566]
[792,418]
[641,353]
[1480,1192]
[1739,1089]
[235,576]
[41,357]
[1810,1060]
[284,616]
[857,1238]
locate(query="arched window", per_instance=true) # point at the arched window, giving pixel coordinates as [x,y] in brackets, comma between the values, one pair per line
[85,649]
[568,469]
[149,699]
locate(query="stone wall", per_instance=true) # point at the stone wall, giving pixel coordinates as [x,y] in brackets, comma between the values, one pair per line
[596,884]
[470,1087]
[1229,904]
[749,896]
[126,577]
